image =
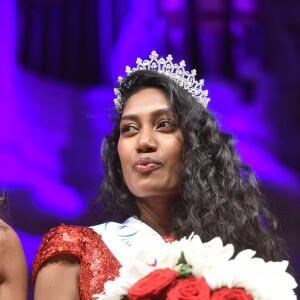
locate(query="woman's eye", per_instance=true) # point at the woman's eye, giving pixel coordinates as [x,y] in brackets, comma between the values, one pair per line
[167,124]
[127,128]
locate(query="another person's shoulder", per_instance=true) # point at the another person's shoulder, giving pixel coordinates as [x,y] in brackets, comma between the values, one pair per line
[13,269]
[10,249]
[9,240]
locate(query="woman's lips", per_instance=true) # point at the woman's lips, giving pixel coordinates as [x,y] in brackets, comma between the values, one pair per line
[146,165]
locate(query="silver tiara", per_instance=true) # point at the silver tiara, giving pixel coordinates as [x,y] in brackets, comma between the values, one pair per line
[176,72]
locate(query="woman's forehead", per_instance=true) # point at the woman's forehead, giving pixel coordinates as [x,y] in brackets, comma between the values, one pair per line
[147,101]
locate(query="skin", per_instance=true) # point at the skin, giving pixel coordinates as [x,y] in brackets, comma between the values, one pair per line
[149,129]
[58,279]
[13,268]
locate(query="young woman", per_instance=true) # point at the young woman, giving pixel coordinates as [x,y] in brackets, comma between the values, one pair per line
[169,171]
[13,269]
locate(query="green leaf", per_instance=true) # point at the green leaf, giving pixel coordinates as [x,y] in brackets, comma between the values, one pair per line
[124,297]
[181,259]
[185,271]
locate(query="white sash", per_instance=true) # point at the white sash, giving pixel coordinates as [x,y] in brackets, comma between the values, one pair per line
[124,240]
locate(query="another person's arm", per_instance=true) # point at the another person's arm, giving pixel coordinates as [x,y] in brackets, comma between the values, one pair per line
[58,279]
[13,268]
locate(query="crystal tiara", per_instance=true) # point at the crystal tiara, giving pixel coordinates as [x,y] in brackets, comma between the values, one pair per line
[176,72]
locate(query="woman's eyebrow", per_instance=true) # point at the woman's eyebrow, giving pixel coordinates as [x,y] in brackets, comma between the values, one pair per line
[129,117]
[155,114]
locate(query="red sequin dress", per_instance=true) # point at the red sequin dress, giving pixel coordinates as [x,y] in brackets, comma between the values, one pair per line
[97,263]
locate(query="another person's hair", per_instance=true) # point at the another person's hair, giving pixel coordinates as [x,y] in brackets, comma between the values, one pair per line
[219,194]
[3,206]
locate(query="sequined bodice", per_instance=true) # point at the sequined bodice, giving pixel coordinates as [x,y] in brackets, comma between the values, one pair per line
[97,263]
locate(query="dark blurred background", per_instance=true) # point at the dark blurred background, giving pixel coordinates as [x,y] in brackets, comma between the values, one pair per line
[60,60]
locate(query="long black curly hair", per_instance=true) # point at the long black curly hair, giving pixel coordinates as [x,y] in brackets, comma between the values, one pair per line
[219,194]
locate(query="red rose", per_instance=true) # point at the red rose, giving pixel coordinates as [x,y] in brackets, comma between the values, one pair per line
[225,293]
[153,285]
[189,288]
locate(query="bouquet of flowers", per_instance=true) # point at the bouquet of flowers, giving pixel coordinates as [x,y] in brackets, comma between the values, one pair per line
[191,269]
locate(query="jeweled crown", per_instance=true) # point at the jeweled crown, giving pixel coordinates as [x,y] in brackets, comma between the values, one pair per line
[176,72]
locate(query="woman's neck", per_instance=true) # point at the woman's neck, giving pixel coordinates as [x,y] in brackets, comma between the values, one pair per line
[156,214]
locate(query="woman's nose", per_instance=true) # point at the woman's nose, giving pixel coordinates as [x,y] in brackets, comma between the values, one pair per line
[146,142]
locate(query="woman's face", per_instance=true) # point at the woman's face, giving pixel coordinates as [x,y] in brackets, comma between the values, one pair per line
[150,145]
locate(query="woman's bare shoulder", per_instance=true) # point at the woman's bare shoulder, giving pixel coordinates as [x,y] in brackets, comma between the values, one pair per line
[9,240]
[13,269]
[11,250]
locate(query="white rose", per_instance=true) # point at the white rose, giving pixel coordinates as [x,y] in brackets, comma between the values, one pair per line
[206,256]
